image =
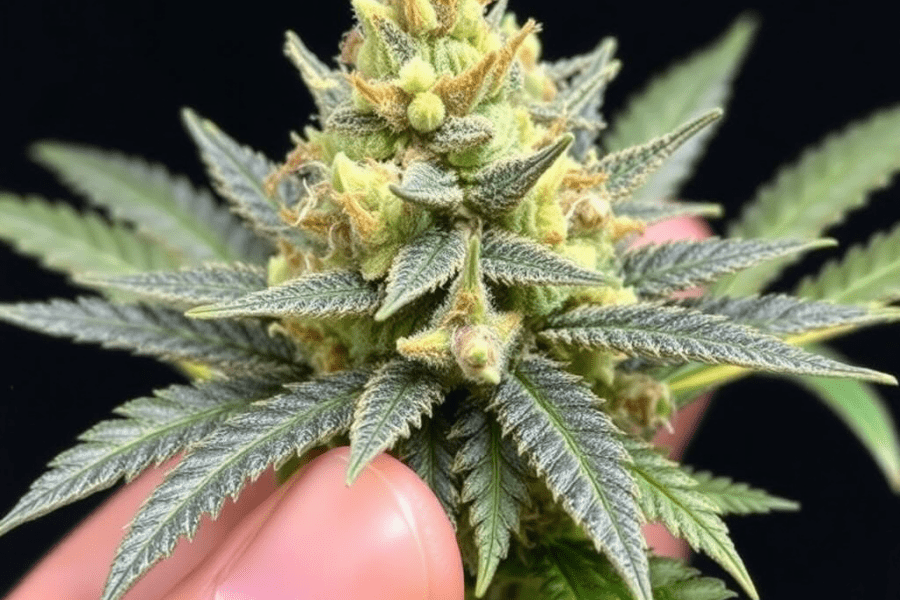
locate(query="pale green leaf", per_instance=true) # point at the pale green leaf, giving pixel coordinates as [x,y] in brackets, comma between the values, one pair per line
[674,334]
[660,269]
[188,287]
[265,434]
[816,192]
[76,243]
[683,92]
[329,88]
[574,447]
[430,186]
[669,495]
[240,173]
[312,295]
[737,498]
[674,580]
[395,399]
[461,133]
[515,260]
[153,429]
[429,452]
[495,487]
[145,330]
[500,186]
[427,262]
[165,208]
[654,211]
[863,411]
[629,169]
[867,274]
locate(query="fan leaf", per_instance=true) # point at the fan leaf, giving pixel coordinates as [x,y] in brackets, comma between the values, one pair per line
[495,486]
[628,169]
[514,260]
[153,430]
[818,191]
[867,274]
[660,269]
[188,287]
[331,293]
[234,347]
[654,211]
[266,433]
[574,447]
[76,243]
[426,263]
[673,334]
[669,495]
[396,398]
[684,91]
[734,498]
[165,208]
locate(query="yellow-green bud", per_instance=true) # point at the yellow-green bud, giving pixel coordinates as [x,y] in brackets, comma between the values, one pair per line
[417,76]
[426,112]
[478,353]
[471,16]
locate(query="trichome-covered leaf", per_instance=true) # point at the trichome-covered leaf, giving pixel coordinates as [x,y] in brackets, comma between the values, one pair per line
[312,295]
[424,264]
[77,243]
[669,495]
[328,88]
[165,208]
[189,287]
[461,133]
[265,434]
[653,211]
[674,334]
[430,453]
[396,398]
[495,487]
[684,91]
[660,269]
[731,497]
[867,274]
[818,191]
[145,330]
[153,429]
[430,186]
[515,260]
[575,448]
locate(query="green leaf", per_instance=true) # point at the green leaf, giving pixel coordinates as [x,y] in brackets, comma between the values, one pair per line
[348,120]
[424,264]
[165,208]
[867,274]
[495,486]
[786,315]
[673,334]
[396,397]
[188,287]
[515,260]
[240,174]
[861,409]
[429,452]
[461,133]
[654,211]
[145,330]
[674,580]
[669,495]
[329,88]
[500,186]
[313,295]
[660,269]
[430,186]
[630,168]
[684,91]
[267,433]
[817,192]
[589,75]
[153,430]
[574,447]
[737,498]
[76,243]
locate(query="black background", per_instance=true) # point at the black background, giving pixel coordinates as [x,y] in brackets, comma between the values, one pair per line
[115,73]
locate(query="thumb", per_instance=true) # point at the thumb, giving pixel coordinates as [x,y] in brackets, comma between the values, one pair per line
[384,537]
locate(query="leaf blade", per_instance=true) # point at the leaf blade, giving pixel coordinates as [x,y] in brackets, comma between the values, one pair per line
[737,498]
[515,260]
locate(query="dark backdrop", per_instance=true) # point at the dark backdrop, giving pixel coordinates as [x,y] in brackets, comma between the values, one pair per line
[115,73]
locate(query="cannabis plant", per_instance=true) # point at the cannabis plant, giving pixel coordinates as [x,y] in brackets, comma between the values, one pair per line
[443,267]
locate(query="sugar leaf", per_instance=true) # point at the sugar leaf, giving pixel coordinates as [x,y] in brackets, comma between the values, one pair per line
[515,260]
[461,133]
[653,211]
[554,420]
[329,88]
[266,433]
[430,186]
[430,452]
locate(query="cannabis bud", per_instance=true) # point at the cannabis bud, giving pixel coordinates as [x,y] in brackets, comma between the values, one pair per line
[442,267]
